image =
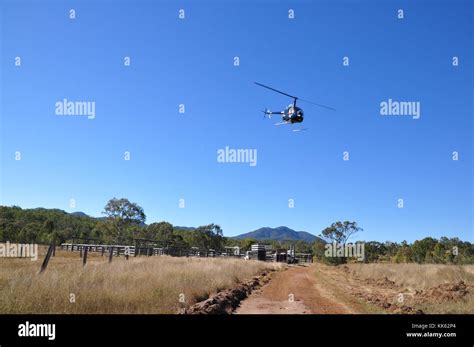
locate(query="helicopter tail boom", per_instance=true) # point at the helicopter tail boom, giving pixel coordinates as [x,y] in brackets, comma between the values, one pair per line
[268,113]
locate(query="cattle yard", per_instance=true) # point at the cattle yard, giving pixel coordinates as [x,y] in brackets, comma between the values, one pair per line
[147,248]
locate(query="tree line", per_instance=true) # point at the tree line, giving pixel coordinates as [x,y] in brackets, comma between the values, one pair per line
[427,250]
[124,221]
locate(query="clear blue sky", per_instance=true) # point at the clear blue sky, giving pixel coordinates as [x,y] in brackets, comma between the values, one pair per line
[190,61]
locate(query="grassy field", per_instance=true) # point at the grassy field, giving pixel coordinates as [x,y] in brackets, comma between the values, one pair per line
[416,276]
[167,285]
[433,288]
[139,285]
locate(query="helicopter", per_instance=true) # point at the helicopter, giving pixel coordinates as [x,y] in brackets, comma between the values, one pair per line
[292,114]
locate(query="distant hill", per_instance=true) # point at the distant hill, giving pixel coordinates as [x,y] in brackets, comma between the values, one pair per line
[80,214]
[184,228]
[279,234]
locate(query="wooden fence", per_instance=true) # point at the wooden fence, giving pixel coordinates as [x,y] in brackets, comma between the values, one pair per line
[133,251]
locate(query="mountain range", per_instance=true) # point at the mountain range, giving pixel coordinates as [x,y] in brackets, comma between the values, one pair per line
[279,234]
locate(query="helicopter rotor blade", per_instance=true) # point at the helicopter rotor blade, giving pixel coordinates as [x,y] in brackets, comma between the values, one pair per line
[313,103]
[294,97]
[275,90]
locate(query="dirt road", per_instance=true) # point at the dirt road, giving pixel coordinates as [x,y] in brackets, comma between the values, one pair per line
[362,288]
[297,290]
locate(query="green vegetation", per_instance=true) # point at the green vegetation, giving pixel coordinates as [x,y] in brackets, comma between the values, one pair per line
[125,220]
[427,250]
[338,232]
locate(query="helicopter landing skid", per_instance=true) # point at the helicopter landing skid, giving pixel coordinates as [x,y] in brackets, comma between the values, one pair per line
[301,129]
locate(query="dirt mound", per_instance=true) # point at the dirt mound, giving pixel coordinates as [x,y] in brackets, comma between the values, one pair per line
[404,309]
[228,300]
[445,292]
[385,293]
[382,282]
[385,301]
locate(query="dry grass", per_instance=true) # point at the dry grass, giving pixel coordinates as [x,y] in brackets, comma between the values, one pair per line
[139,285]
[415,276]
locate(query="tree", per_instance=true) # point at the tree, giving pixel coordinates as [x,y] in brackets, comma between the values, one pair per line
[318,250]
[373,251]
[162,231]
[123,214]
[340,232]
[28,234]
[438,254]
[106,230]
[422,249]
[208,237]
[47,232]
[404,253]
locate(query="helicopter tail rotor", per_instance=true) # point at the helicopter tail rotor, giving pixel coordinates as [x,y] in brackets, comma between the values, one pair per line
[267,113]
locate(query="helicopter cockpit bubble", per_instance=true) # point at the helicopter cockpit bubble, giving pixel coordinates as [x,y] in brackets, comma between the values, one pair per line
[291,109]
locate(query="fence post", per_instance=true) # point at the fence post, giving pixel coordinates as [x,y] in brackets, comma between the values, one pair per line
[80,251]
[84,258]
[46,258]
[111,253]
